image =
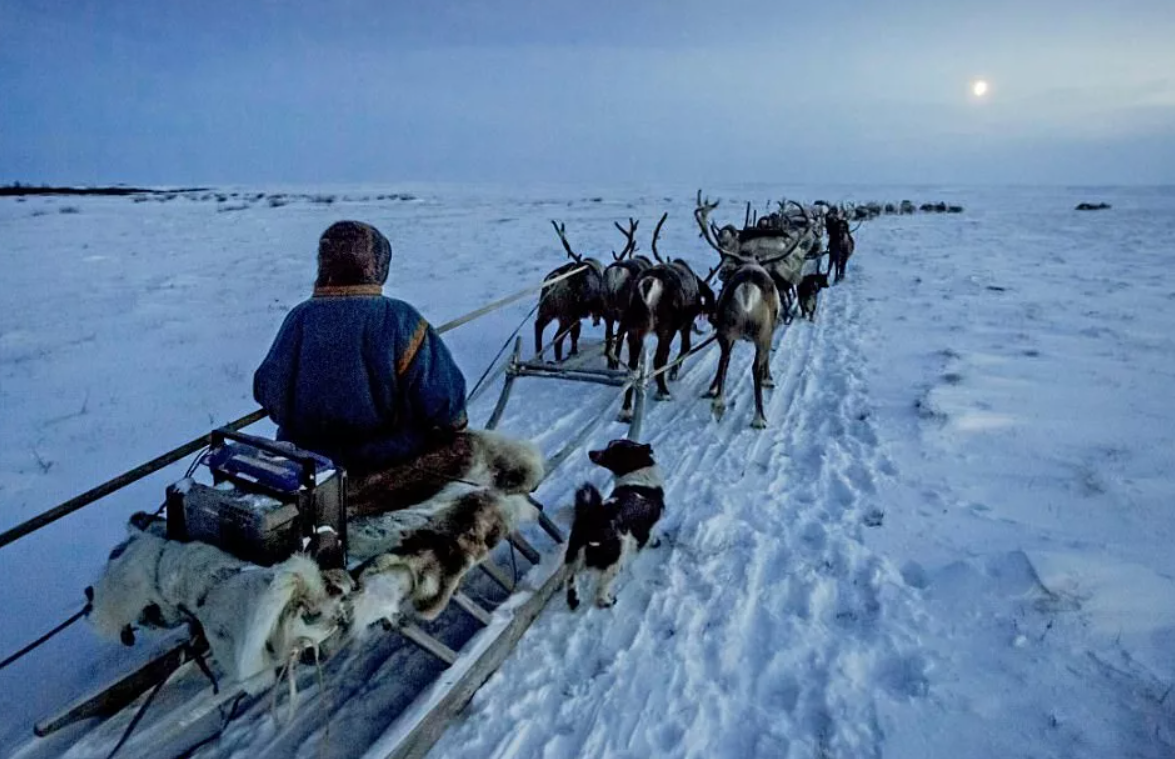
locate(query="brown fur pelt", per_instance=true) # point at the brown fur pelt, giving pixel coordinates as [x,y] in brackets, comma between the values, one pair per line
[427,565]
[475,457]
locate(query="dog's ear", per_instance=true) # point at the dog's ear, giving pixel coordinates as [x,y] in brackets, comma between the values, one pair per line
[647,449]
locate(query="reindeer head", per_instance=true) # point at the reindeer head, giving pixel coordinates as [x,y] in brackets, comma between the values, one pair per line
[724,241]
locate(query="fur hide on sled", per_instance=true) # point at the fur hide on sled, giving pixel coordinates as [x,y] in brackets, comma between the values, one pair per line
[428,550]
[479,458]
[255,619]
[414,558]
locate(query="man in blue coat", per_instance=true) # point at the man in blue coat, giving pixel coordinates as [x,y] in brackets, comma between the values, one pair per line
[356,376]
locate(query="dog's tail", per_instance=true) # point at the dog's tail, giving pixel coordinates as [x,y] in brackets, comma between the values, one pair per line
[587,499]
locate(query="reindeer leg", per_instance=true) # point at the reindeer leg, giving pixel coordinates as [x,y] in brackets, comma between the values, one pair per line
[762,361]
[768,380]
[718,407]
[575,328]
[610,345]
[660,359]
[636,345]
[559,336]
[540,324]
[685,337]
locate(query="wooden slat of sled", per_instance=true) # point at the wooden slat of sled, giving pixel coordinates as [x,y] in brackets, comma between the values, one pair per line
[524,547]
[472,608]
[498,575]
[427,642]
[432,725]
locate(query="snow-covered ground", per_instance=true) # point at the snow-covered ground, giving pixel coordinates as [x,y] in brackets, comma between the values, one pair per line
[953,539]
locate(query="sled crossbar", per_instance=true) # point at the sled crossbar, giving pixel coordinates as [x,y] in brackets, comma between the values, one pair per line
[596,378]
[427,642]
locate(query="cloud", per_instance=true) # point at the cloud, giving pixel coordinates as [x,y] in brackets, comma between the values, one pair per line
[363,91]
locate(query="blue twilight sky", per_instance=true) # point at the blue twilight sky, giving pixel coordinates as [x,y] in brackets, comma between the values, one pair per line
[220,91]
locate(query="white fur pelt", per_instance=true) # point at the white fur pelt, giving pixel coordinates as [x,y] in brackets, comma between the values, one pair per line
[255,619]
[424,565]
[504,463]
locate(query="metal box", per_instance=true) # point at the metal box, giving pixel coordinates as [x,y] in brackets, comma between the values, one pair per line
[269,500]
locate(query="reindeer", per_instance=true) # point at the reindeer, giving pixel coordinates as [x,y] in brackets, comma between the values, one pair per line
[666,300]
[784,265]
[840,242]
[747,309]
[571,300]
[619,283]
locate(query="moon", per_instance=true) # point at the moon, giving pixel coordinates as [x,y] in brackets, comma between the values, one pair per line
[979,88]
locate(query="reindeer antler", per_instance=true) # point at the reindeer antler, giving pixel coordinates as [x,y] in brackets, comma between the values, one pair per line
[561,230]
[803,212]
[709,229]
[656,232]
[630,233]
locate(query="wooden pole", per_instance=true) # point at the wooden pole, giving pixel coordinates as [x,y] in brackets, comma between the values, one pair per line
[553,462]
[429,728]
[638,406]
[507,386]
[119,482]
[524,547]
[571,376]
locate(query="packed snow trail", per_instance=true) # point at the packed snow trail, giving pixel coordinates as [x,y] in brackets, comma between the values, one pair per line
[761,624]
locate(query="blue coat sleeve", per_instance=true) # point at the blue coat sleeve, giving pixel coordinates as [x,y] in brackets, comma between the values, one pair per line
[273,381]
[432,383]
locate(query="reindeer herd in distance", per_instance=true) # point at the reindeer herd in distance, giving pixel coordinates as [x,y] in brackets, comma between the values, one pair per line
[765,269]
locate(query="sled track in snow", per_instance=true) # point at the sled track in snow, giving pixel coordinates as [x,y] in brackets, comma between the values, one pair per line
[749,631]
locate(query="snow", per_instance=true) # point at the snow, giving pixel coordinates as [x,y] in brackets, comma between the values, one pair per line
[953,538]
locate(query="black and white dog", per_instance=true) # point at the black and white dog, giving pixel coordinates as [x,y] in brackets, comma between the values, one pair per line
[807,293]
[604,533]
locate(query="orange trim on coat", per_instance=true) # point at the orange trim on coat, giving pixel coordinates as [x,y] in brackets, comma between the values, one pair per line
[342,291]
[406,358]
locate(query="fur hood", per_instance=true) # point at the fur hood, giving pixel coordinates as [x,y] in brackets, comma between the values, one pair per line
[352,253]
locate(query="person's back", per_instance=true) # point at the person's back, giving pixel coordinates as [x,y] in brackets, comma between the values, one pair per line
[358,377]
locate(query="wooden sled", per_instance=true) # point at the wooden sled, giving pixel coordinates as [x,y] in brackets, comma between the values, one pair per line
[419,725]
